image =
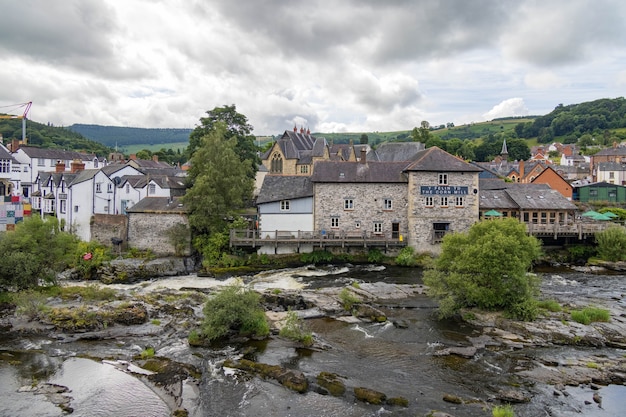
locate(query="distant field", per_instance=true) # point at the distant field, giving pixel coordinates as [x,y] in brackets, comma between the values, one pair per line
[175,146]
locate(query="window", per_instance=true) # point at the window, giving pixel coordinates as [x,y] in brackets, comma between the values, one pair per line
[284,205]
[41,162]
[276,164]
[98,187]
[593,193]
[151,189]
[429,201]
[348,204]
[5,165]
[612,193]
[304,169]
[127,188]
[75,209]
[387,204]
[444,201]
[334,222]
[53,163]
[443,179]
[378,227]
[459,201]
[62,205]
[612,175]
[109,188]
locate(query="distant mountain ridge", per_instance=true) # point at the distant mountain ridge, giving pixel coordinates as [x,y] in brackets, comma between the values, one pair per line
[123,136]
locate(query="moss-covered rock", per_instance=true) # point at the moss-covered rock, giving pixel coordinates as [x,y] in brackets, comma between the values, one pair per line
[369,395]
[290,378]
[331,383]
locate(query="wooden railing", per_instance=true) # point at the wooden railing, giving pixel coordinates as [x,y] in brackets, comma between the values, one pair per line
[321,238]
[581,230]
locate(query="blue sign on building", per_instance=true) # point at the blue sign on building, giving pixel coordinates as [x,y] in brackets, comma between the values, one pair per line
[443,190]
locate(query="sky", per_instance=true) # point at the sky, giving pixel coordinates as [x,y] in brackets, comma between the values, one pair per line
[326,65]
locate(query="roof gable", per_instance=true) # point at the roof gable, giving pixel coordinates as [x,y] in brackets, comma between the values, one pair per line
[435,159]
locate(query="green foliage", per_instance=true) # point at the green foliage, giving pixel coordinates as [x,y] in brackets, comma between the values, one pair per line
[36,251]
[220,185]
[612,244]
[234,309]
[621,213]
[147,353]
[487,268]
[580,253]
[212,247]
[375,256]
[316,257]
[293,329]
[503,411]
[590,314]
[87,266]
[550,305]
[123,136]
[179,237]
[348,299]
[406,257]
[30,303]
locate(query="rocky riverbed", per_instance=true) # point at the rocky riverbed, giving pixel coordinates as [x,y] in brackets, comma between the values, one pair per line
[143,325]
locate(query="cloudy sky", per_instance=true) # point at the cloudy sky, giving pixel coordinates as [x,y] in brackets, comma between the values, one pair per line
[329,65]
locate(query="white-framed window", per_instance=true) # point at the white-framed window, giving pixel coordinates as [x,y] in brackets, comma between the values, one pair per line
[443,179]
[378,227]
[98,187]
[62,206]
[151,189]
[429,201]
[285,205]
[459,201]
[444,201]
[53,163]
[387,204]
[304,169]
[41,162]
[5,165]
[334,222]
[127,188]
[348,204]
[109,188]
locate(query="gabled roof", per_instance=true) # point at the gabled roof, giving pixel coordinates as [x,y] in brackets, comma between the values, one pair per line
[285,187]
[158,205]
[523,197]
[358,172]
[435,159]
[395,151]
[615,150]
[4,154]
[84,175]
[49,153]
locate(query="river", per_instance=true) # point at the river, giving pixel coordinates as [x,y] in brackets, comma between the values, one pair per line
[396,360]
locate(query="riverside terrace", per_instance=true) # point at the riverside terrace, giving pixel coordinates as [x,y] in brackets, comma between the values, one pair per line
[579,230]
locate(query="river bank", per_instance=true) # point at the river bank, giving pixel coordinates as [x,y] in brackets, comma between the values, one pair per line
[160,313]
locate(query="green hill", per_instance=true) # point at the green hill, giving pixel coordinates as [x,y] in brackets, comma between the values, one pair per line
[124,137]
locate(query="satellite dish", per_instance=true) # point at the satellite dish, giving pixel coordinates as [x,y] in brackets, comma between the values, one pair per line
[117,180]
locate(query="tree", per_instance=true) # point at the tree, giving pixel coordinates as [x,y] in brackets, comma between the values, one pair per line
[422,134]
[486,267]
[35,252]
[364,139]
[237,127]
[518,149]
[220,182]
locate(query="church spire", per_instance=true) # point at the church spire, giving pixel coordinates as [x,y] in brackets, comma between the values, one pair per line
[504,152]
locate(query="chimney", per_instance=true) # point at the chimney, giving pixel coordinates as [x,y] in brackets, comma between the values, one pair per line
[521,170]
[295,128]
[133,157]
[60,167]
[155,158]
[301,129]
[363,158]
[77,166]
[15,145]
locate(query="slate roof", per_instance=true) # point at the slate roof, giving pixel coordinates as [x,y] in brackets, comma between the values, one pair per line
[539,197]
[395,151]
[616,150]
[285,187]
[358,172]
[158,205]
[4,154]
[84,175]
[48,153]
[611,166]
[435,159]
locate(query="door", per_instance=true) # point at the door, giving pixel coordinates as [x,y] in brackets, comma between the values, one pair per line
[395,230]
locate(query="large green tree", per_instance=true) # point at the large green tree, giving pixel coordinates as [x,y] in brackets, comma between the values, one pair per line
[236,126]
[220,184]
[487,267]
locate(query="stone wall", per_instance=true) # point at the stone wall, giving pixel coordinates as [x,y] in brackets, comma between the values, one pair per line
[150,231]
[105,227]
[368,206]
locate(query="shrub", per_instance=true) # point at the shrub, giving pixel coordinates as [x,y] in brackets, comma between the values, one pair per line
[293,329]
[590,314]
[611,244]
[577,253]
[179,237]
[234,309]
[503,411]
[316,257]
[29,303]
[348,299]
[406,257]
[550,305]
[375,256]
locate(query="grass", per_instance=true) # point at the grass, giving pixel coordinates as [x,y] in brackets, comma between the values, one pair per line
[147,353]
[503,411]
[294,329]
[590,314]
[550,305]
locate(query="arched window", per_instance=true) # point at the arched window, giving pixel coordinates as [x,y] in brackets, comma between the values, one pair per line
[276,164]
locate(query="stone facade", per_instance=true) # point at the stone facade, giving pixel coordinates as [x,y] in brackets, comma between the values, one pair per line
[105,227]
[435,210]
[368,208]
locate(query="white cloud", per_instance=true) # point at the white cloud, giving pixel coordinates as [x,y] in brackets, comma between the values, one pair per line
[511,107]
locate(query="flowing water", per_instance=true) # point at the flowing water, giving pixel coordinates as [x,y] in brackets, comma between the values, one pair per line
[396,360]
